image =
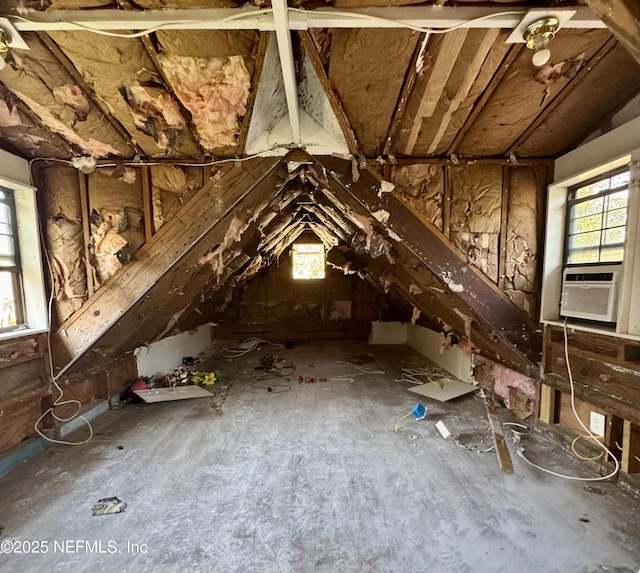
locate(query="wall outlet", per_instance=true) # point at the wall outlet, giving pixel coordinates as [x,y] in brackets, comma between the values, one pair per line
[597,423]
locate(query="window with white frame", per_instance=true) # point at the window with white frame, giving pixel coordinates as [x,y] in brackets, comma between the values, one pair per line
[597,218]
[11,299]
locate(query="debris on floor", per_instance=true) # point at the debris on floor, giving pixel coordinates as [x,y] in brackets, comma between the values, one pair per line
[108,505]
[446,389]
[174,393]
[363,358]
[219,398]
[419,412]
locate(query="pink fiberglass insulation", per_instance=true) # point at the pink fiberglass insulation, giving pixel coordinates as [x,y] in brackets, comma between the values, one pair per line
[157,114]
[71,95]
[55,124]
[505,378]
[214,90]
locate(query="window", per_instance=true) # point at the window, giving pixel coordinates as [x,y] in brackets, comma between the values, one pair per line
[597,211]
[11,302]
[308,261]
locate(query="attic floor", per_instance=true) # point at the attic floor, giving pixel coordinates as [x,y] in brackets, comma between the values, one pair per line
[311,479]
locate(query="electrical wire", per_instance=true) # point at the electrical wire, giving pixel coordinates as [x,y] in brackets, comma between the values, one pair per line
[59,401]
[585,458]
[405,24]
[161,26]
[258,13]
[395,428]
[520,450]
[246,346]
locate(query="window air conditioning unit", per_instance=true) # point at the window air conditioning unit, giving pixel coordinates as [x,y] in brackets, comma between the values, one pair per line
[590,293]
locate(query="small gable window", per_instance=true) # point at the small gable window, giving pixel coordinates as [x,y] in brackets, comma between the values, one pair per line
[308,261]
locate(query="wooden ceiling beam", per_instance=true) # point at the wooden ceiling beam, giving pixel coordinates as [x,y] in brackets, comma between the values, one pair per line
[622,17]
[405,94]
[334,100]
[66,63]
[509,58]
[572,85]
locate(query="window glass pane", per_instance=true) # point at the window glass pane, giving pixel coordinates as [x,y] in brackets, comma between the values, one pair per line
[611,254]
[6,246]
[620,180]
[308,261]
[614,236]
[5,229]
[5,213]
[7,301]
[589,207]
[617,200]
[584,224]
[617,218]
[583,240]
[592,189]
[583,257]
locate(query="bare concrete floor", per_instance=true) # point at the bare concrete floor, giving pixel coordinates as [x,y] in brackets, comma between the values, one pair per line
[311,479]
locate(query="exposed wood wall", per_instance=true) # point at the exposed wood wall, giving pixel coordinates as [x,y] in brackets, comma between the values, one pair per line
[492,213]
[606,377]
[273,303]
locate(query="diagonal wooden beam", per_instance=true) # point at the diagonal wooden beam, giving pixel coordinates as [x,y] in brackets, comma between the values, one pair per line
[622,17]
[405,93]
[439,257]
[197,223]
[263,43]
[66,63]
[334,100]
[153,54]
[509,58]
[560,96]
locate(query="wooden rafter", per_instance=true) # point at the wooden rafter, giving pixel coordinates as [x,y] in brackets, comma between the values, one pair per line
[66,63]
[510,57]
[263,43]
[197,223]
[405,94]
[334,100]
[153,54]
[436,255]
[622,17]
[561,96]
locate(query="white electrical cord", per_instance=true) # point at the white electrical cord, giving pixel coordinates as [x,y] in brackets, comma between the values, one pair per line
[54,379]
[248,345]
[520,449]
[162,26]
[297,10]
[402,23]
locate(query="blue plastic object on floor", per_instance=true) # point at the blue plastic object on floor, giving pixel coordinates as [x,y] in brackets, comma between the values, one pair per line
[419,411]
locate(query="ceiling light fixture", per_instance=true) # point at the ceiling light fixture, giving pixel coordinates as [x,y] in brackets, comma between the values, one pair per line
[538,35]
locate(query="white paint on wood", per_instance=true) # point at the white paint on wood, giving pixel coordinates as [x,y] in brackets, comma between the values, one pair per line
[314,101]
[283,35]
[161,357]
[251,18]
[450,389]
[388,333]
[271,103]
